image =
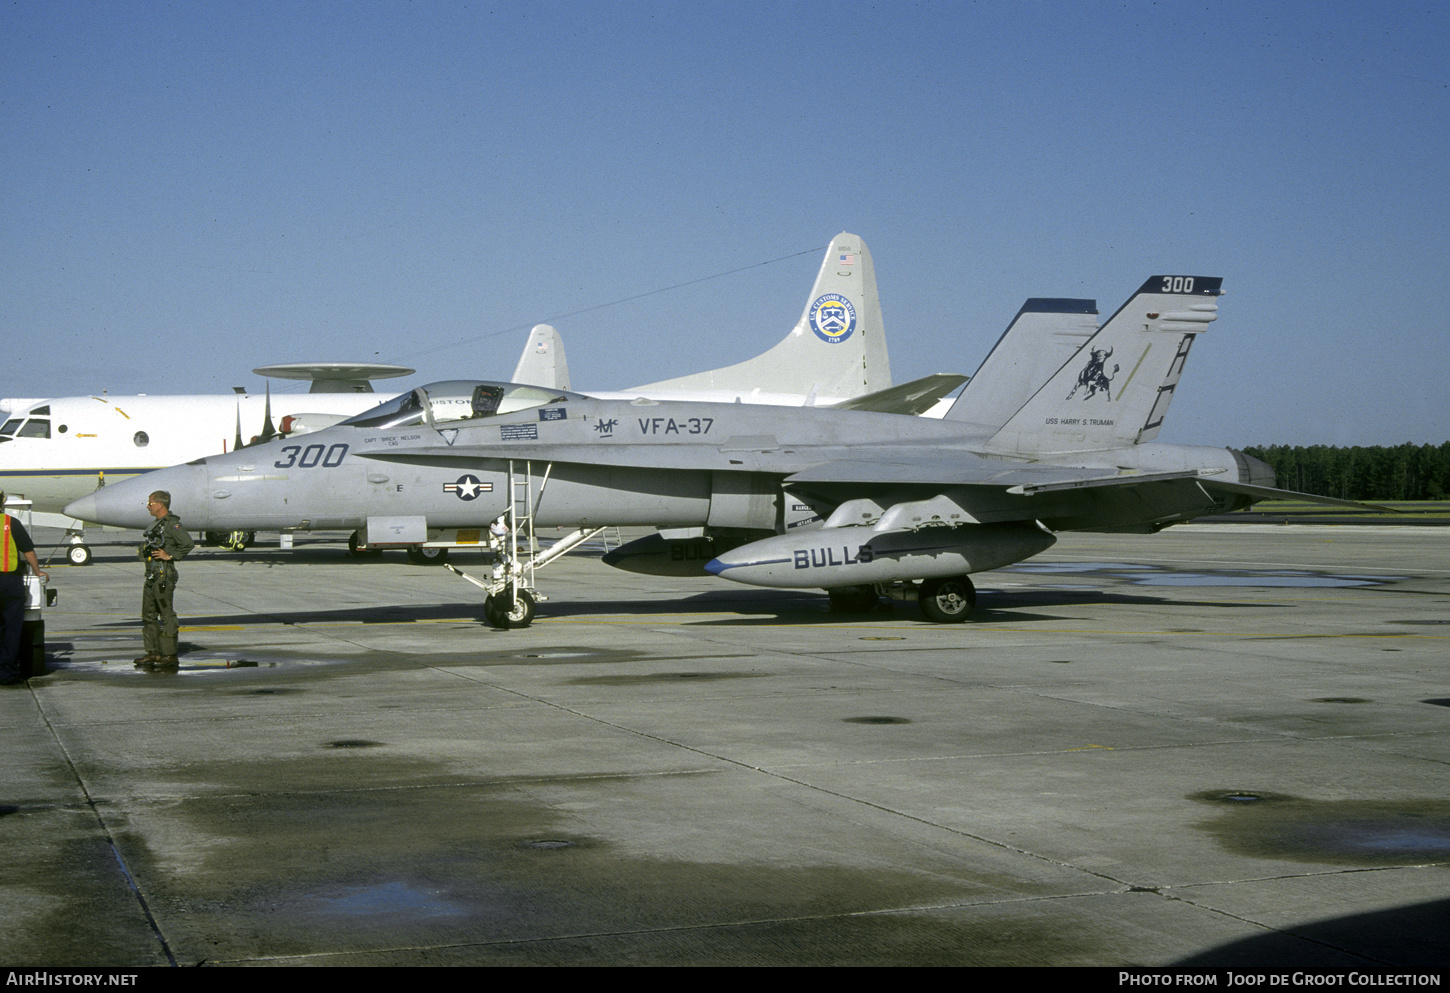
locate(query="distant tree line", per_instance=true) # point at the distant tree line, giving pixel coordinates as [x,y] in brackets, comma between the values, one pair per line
[1377,472]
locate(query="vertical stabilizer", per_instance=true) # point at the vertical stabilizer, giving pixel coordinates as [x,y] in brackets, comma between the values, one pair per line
[1043,336]
[542,362]
[837,349]
[1116,389]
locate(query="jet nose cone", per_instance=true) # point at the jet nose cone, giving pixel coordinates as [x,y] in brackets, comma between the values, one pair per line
[82,509]
[117,506]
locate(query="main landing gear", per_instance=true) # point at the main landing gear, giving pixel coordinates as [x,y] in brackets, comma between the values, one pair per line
[235,541]
[944,601]
[947,601]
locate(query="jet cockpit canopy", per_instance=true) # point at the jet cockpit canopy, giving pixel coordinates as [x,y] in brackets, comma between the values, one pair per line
[457,400]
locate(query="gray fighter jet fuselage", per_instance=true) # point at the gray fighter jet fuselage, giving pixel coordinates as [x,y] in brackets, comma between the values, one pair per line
[613,463]
[896,499]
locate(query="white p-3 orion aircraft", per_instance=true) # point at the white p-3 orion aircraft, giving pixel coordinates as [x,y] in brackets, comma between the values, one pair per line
[907,506]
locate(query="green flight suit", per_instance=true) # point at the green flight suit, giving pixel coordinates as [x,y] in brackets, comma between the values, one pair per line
[158,618]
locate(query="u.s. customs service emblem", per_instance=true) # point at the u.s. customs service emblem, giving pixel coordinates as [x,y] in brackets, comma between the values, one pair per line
[833,318]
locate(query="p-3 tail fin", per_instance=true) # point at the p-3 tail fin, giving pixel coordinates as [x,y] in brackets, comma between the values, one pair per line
[836,350]
[542,362]
[1115,390]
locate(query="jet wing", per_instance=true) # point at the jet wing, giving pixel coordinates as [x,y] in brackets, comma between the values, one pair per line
[914,398]
[965,469]
[838,468]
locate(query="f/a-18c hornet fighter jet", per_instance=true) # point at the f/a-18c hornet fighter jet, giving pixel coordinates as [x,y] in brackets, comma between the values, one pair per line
[889,504]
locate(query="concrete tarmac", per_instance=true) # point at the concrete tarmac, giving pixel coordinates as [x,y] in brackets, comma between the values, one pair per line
[1220,745]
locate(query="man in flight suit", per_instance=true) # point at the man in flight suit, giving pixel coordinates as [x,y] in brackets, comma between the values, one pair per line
[165,542]
[16,550]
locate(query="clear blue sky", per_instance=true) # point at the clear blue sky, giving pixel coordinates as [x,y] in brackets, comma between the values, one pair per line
[191,190]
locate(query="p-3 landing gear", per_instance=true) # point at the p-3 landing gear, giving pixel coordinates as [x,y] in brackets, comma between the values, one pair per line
[947,601]
[427,555]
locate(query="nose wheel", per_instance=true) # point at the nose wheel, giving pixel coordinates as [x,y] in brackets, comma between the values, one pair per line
[504,611]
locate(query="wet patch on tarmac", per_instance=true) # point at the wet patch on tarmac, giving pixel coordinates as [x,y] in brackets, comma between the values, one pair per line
[1140,575]
[187,667]
[649,678]
[395,898]
[1269,825]
[197,661]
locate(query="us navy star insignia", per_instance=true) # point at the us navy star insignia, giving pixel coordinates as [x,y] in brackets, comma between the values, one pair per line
[468,487]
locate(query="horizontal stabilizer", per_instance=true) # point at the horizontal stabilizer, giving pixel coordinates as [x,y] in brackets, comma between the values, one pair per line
[915,397]
[1272,493]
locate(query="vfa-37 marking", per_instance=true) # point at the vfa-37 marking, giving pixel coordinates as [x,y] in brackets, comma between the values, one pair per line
[669,425]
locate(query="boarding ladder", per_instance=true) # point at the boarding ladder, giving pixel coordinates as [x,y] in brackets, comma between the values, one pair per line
[513,575]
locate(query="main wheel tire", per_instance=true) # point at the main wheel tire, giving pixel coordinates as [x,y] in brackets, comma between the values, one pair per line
[503,612]
[423,555]
[947,601]
[78,555]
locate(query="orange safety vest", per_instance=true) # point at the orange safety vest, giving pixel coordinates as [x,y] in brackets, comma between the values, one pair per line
[9,554]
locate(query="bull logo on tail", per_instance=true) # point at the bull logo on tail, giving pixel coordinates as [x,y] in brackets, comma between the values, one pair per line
[1093,377]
